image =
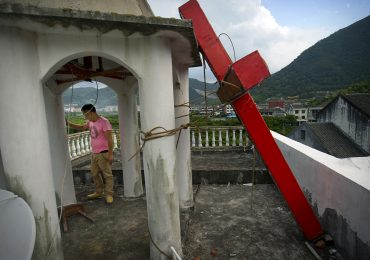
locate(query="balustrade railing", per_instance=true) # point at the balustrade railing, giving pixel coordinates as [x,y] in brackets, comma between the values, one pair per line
[201,137]
[220,136]
[79,143]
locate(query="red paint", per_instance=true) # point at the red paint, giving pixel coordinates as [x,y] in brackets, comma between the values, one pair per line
[210,45]
[278,167]
[251,70]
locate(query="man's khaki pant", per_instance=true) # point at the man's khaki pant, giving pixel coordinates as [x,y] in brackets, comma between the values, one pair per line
[100,163]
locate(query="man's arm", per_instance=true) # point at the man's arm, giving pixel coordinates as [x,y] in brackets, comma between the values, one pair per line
[109,136]
[76,126]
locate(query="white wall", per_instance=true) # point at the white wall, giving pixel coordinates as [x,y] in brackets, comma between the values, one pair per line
[58,140]
[24,140]
[183,151]
[339,189]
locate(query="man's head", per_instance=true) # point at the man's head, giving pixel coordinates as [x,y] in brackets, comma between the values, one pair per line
[88,109]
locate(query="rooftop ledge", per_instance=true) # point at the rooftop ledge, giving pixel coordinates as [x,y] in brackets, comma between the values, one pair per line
[47,19]
[356,169]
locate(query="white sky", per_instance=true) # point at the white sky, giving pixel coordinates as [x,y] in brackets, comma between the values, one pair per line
[279,29]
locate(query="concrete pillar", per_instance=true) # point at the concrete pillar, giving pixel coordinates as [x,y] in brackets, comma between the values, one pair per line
[183,151]
[129,133]
[24,138]
[3,184]
[157,110]
[58,140]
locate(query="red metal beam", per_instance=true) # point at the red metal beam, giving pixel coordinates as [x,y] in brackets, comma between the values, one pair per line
[246,73]
[258,131]
[210,45]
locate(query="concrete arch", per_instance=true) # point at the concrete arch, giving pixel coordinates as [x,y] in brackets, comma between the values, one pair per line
[37,118]
[126,91]
[52,70]
[56,50]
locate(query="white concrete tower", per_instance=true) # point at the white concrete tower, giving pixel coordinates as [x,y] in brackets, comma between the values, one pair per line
[183,151]
[41,43]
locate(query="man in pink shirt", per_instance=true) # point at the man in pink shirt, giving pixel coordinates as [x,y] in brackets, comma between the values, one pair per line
[102,151]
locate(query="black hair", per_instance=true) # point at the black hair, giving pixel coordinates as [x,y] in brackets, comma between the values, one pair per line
[88,108]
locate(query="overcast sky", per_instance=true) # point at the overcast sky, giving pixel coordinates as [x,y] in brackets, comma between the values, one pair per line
[279,29]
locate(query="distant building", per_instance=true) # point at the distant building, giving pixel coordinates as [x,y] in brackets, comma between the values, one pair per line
[109,109]
[327,138]
[312,113]
[262,105]
[350,113]
[195,109]
[276,103]
[72,108]
[210,110]
[228,109]
[277,111]
[300,111]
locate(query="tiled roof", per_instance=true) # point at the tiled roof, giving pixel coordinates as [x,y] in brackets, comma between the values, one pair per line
[360,101]
[335,141]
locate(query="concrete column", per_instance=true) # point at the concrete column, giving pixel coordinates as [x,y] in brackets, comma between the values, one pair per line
[24,140]
[183,151]
[129,133]
[3,184]
[157,110]
[58,140]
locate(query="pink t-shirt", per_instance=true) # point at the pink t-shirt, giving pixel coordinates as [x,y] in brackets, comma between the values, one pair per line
[98,141]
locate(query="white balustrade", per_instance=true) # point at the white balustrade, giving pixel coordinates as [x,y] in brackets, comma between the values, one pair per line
[213,137]
[224,138]
[87,143]
[79,144]
[200,139]
[78,147]
[73,147]
[207,142]
[219,137]
[227,137]
[115,145]
[240,137]
[234,139]
[192,138]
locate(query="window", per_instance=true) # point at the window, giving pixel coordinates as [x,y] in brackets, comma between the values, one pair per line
[303,117]
[303,111]
[303,135]
[296,111]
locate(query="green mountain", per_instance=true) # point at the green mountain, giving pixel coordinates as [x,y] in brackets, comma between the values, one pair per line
[197,90]
[107,96]
[103,97]
[337,61]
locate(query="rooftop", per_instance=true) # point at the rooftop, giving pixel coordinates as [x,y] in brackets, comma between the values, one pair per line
[228,221]
[335,141]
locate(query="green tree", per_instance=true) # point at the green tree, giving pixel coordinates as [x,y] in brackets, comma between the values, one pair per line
[282,125]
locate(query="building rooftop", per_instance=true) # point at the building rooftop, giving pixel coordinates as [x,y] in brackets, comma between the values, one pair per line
[335,141]
[228,221]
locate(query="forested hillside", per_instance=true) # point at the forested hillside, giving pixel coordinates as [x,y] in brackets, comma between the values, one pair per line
[339,60]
